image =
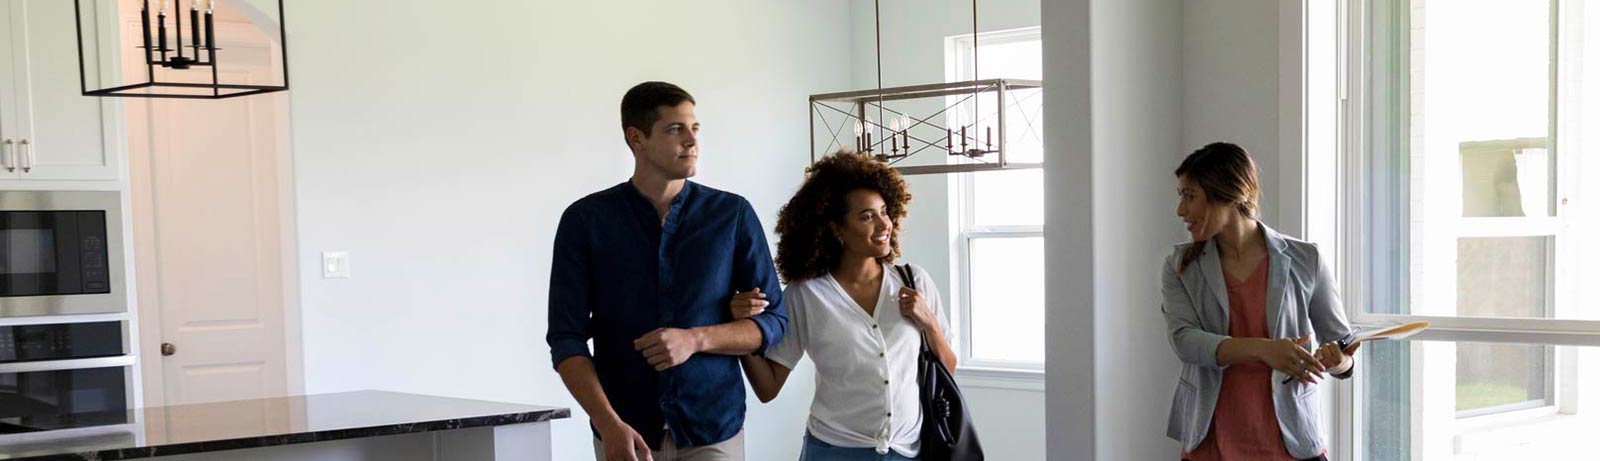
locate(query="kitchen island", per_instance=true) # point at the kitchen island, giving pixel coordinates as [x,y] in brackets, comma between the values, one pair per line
[361,425]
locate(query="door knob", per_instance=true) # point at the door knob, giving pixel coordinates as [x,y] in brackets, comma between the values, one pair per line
[167,349]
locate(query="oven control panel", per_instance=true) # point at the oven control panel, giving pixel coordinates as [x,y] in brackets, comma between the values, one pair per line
[60,341]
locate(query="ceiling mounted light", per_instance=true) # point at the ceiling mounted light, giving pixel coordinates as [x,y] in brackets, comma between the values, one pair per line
[171,50]
[972,141]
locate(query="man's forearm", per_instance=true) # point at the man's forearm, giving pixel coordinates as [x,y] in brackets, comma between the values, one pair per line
[739,337]
[581,380]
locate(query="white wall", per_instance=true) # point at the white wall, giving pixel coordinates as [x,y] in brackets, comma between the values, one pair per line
[1069,239]
[1230,88]
[1139,85]
[1010,421]
[1114,95]
[438,143]
[1135,75]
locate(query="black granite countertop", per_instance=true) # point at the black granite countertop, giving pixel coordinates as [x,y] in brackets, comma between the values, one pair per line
[179,429]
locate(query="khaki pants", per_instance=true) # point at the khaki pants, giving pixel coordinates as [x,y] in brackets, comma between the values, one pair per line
[727,450]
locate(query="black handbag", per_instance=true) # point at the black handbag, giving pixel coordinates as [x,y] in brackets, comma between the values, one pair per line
[947,432]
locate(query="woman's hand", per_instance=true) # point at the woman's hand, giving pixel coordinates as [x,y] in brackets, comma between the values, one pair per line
[914,308]
[1335,360]
[748,304]
[1290,357]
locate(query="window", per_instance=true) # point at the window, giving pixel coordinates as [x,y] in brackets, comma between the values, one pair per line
[1463,130]
[999,216]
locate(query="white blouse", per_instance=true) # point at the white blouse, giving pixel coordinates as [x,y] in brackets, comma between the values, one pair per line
[867,393]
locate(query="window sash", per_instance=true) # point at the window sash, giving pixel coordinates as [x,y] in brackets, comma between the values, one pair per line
[1551,397]
[969,233]
[964,294]
[1374,118]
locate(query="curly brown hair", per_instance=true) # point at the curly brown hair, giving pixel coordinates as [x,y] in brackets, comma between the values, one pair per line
[807,246]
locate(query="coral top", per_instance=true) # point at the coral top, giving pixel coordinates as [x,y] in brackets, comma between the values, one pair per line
[1245,425]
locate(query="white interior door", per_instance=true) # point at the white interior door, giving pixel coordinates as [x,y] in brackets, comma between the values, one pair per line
[208,180]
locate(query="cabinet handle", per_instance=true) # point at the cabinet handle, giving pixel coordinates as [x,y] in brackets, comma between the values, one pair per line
[27,155]
[70,364]
[8,155]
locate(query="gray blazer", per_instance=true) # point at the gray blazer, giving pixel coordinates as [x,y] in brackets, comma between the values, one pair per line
[1302,298]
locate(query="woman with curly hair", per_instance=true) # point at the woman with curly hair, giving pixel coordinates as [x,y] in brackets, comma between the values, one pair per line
[837,240]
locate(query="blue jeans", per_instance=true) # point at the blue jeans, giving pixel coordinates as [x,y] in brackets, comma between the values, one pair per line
[817,450]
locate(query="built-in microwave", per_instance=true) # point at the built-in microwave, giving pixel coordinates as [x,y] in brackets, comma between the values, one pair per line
[61,253]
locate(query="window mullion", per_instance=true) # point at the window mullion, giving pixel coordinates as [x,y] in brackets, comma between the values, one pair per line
[1508,227]
[1493,329]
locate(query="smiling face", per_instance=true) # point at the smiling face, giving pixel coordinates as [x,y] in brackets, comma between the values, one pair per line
[867,229]
[672,148]
[1202,217]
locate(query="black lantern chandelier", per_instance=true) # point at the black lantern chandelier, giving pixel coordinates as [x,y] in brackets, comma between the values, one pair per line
[168,40]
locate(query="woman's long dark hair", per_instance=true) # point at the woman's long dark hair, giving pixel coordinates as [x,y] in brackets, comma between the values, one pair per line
[1227,174]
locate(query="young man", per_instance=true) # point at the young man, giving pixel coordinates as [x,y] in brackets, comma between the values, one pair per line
[646,269]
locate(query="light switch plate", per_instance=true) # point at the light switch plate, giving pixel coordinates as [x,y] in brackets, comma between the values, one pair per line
[335,264]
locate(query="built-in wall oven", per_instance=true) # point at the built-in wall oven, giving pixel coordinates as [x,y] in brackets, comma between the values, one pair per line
[63,375]
[61,253]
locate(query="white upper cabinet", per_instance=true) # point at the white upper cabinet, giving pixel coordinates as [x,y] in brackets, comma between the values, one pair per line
[50,131]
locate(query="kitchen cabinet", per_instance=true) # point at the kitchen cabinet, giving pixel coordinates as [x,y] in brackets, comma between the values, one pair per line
[50,131]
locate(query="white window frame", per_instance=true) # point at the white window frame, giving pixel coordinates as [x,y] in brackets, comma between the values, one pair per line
[991,373]
[1356,138]
[968,232]
[1355,147]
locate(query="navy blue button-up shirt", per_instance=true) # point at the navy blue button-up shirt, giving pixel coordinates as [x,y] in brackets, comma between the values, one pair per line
[620,272]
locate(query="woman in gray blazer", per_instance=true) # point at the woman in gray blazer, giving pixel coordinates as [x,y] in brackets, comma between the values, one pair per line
[1243,304]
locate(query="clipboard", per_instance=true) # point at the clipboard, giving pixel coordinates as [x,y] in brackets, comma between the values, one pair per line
[1401,331]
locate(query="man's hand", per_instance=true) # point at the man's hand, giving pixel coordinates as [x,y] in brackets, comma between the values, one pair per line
[622,443]
[668,347]
[748,304]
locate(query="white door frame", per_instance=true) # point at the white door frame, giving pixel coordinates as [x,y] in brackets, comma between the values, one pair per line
[141,140]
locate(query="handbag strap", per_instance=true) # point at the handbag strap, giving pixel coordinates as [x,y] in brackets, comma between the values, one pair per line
[909,279]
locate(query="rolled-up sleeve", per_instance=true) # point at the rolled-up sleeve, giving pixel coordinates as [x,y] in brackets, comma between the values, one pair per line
[569,310]
[753,268]
[1192,343]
